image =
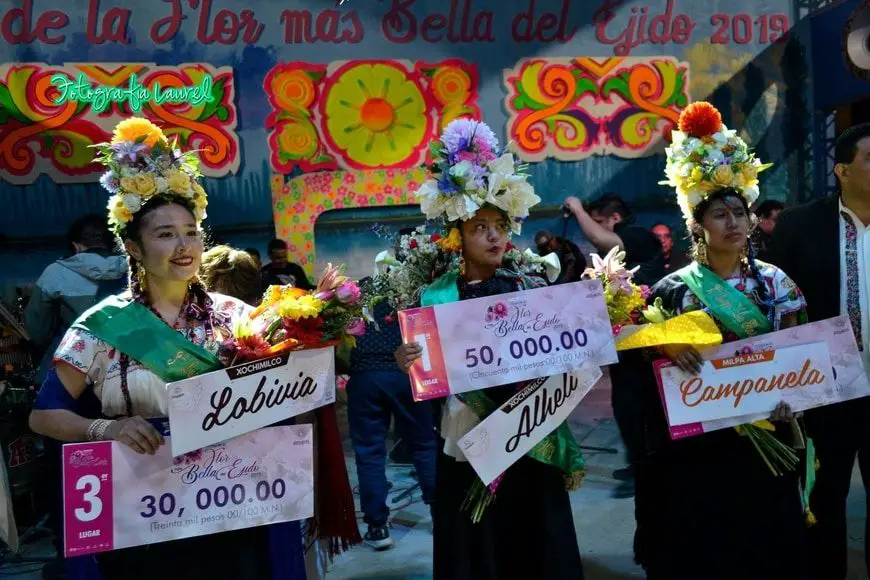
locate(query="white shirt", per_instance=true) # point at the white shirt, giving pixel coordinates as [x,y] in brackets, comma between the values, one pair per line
[862,248]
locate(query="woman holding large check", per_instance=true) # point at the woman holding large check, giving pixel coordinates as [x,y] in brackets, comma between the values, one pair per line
[528,531]
[710,505]
[112,367]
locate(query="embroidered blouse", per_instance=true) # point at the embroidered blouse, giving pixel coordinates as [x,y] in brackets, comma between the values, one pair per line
[101,363]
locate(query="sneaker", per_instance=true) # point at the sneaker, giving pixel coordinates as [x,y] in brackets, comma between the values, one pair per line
[378,537]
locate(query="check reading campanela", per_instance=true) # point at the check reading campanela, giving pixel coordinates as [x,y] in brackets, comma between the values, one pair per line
[694,392]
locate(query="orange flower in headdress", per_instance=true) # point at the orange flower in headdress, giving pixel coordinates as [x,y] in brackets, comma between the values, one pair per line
[136,128]
[700,120]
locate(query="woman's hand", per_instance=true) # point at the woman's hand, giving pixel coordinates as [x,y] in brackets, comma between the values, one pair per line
[406,354]
[782,413]
[685,357]
[136,433]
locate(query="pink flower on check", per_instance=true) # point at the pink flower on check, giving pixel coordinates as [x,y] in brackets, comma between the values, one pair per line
[500,309]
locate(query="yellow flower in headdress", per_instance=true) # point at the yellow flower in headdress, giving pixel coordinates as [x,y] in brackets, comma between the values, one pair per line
[178,181]
[135,128]
[723,175]
[452,242]
[142,185]
[119,212]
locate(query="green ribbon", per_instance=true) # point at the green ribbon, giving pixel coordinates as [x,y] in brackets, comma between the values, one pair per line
[731,306]
[134,330]
[559,448]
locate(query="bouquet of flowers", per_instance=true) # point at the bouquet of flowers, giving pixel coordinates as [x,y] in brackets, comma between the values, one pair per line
[423,257]
[626,307]
[294,319]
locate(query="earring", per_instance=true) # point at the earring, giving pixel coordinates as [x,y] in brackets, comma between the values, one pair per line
[461,264]
[140,275]
[701,252]
[744,253]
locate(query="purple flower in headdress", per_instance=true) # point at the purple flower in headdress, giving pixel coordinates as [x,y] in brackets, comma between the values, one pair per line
[446,185]
[461,133]
[128,151]
[110,181]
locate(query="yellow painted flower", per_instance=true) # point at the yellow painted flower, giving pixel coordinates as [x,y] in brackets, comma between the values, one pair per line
[723,175]
[136,127]
[376,115]
[142,185]
[451,85]
[306,306]
[453,241]
[298,139]
[293,89]
[178,181]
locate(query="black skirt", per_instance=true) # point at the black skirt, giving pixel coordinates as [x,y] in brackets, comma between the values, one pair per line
[527,532]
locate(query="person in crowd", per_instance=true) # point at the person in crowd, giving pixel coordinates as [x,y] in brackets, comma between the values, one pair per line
[95,373]
[608,223]
[824,246]
[255,254]
[688,511]
[570,257]
[527,531]
[64,291]
[232,272]
[280,271]
[674,259]
[71,285]
[767,214]
[376,392]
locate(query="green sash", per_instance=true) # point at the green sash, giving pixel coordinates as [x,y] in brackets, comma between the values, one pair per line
[134,330]
[559,448]
[731,306]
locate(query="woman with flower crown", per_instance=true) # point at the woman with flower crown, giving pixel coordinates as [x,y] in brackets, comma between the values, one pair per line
[712,506]
[528,530]
[111,372]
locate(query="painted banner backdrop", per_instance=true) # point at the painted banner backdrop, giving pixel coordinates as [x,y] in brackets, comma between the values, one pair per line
[298,202]
[39,136]
[572,108]
[363,114]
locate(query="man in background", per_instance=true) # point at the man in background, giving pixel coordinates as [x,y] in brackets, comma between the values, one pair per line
[674,259]
[280,271]
[71,285]
[377,392]
[608,223]
[767,214]
[570,257]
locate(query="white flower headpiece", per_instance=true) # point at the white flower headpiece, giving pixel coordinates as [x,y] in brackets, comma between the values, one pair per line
[706,156]
[469,173]
[143,165]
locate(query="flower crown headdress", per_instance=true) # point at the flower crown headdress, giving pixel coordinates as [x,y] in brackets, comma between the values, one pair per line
[144,165]
[706,156]
[469,173]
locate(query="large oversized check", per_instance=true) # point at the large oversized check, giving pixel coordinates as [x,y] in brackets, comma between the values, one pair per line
[720,401]
[116,498]
[496,340]
[223,404]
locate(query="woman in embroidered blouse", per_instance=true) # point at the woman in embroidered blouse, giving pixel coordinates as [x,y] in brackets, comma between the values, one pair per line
[708,506]
[528,531]
[97,392]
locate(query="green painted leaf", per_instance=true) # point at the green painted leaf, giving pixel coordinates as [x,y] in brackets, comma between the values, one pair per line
[222,114]
[8,108]
[619,85]
[217,92]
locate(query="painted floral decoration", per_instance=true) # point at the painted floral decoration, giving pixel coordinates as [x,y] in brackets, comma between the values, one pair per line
[377,115]
[705,155]
[470,172]
[144,165]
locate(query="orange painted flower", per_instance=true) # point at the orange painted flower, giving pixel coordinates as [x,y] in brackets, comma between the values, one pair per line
[135,128]
[293,89]
[451,85]
[297,139]
[700,119]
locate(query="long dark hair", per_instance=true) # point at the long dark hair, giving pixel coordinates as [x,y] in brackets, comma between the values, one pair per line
[133,232]
[762,294]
